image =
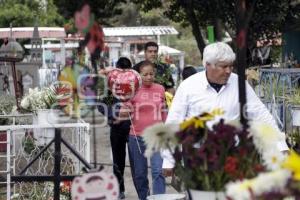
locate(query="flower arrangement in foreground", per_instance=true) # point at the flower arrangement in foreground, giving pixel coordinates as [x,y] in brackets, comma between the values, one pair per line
[207,158]
[281,182]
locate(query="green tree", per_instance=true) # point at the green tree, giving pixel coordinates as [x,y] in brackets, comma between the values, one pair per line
[25,12]
[130,15]
[265,18]
[134,15]
[184,41]
[104,10]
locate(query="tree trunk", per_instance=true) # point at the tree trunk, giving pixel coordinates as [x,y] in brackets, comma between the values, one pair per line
[188,6]
[218,29]
[241,57]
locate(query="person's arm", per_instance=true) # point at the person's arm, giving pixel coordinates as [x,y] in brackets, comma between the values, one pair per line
[257,111]
[163,106]
[106,110]
[168,163]
[126,110]
[176,115]
[179,107]
[106,70]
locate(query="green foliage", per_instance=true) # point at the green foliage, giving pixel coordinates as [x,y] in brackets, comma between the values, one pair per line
[135,15]
[23,13]
[184,42]
[7,102]
[163,78]
[28,143]
[154,18]
[270,88]
[268,16]
[276,54]
[131,15]
[51,17]
[294,98]
[104,10]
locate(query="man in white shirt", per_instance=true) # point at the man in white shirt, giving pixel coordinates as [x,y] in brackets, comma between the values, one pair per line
[216,87]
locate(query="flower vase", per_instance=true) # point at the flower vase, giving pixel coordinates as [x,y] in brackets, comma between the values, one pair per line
[206,195]
[45,117]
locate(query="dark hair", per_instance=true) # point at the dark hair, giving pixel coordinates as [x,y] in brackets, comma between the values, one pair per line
[150,44]
[143,64]
[188,71]
[123,63]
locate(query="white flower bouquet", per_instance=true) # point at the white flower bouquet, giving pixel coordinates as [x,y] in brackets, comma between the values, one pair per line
[283,179]
[37,99]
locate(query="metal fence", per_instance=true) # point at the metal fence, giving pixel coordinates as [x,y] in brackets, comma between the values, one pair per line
[23,142]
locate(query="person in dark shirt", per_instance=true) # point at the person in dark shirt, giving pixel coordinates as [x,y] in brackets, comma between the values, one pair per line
[119,131]
[163,73]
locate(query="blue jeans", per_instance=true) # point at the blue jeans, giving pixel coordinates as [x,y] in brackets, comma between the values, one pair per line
[139,169]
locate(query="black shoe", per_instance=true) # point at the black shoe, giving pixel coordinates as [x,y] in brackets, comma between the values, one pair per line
[122,195]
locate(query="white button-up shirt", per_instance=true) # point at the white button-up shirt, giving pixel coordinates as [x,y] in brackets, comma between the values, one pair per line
[195,96]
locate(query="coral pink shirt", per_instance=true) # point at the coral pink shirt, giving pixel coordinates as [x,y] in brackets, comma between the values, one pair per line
[148,108]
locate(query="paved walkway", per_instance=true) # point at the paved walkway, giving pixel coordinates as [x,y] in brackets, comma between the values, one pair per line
[104,156]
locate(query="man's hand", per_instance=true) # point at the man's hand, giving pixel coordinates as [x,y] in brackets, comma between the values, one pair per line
[106,70]
[168,172]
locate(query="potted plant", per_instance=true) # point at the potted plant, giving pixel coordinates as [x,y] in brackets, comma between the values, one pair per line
[7,103]
[207,157]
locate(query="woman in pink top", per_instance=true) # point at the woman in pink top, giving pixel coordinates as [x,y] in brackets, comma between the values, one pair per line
[147,107]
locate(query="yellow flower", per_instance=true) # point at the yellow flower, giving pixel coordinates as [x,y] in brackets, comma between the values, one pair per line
[169,98]
[199,122]
[187,123]
[293,163]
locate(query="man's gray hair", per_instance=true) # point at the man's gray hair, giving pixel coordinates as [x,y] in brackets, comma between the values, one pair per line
[218,52]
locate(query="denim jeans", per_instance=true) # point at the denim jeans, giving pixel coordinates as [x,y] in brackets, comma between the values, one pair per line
[139,169]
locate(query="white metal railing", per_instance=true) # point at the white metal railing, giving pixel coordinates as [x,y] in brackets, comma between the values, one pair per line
[17,156]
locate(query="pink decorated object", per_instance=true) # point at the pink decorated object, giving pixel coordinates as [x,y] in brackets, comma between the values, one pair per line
[124,83]
[98,185]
